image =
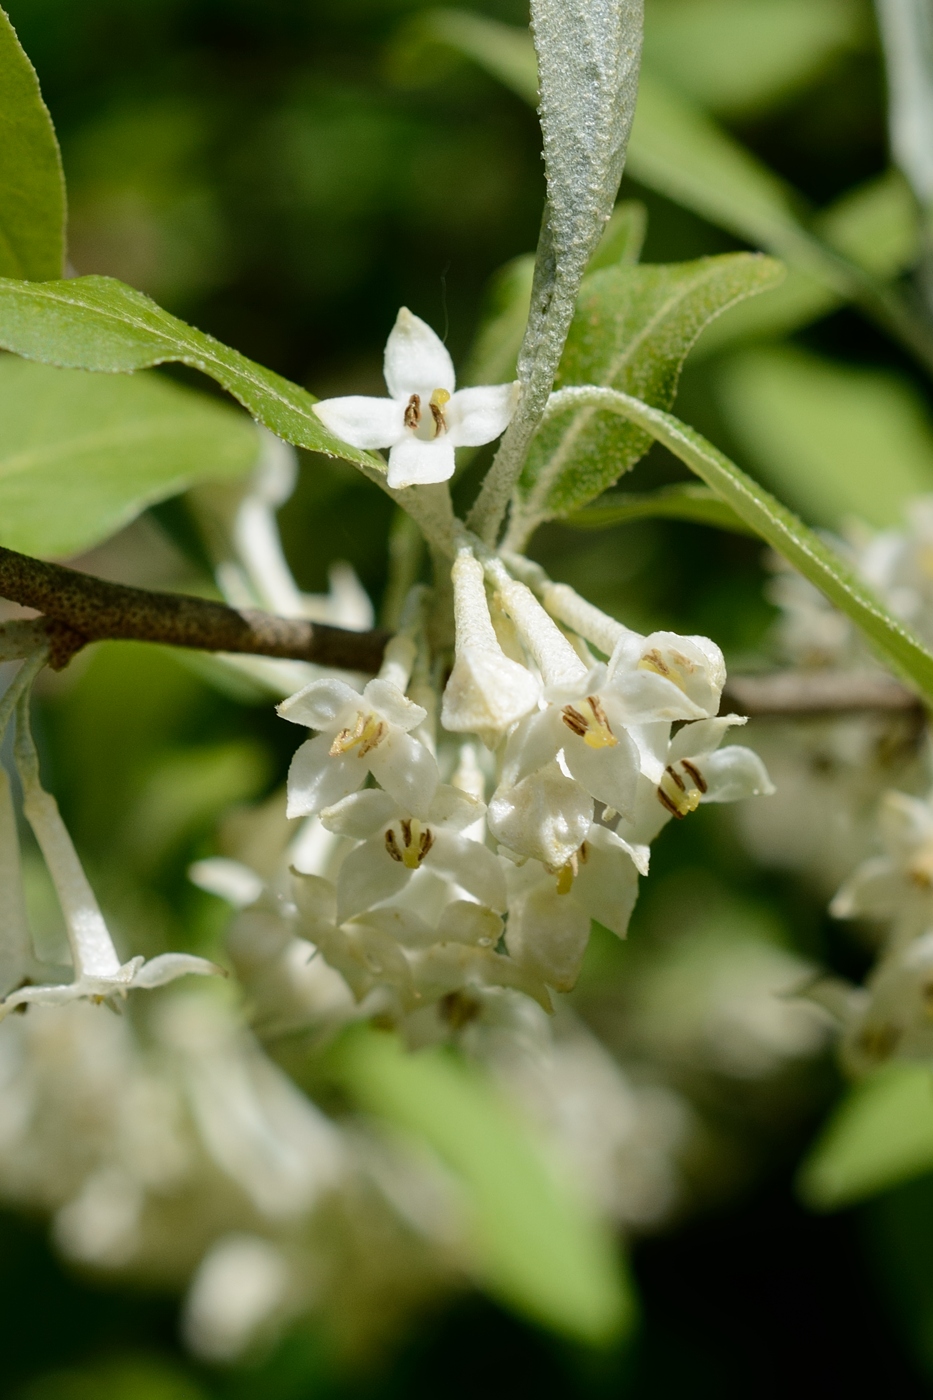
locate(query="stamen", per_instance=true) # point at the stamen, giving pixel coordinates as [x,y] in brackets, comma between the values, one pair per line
[368,731]
[413,412]
[438,402]
[674,667]
[674,794]
[416,842]
[592,727]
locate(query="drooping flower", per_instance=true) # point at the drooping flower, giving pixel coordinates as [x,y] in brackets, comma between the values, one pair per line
[424,419]
[898,884]
[358,735]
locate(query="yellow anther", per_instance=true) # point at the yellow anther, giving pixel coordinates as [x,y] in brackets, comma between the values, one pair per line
[367,731]
[589,723]
[920,869]
[566,874]
[438,402]
[681,797]
[673,666]
[416,841]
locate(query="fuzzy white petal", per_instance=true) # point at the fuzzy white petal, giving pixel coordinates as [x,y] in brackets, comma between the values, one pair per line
[470,865]
[361,814]
[733,773]
[547,933]
[608,774]
[320,705]
[546,816]
[168,966]
[487,693]
[368,876]
[407,771]
[416,463]
[363,422]
[607,884]
[393,705]
[416,359]
[696,740]
[475,416]
[318,779]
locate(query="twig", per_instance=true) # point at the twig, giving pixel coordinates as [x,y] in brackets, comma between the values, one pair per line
[801,693]
[79,609]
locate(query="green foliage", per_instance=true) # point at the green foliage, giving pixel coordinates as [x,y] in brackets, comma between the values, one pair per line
[833,440]
[97,323]
[880,1136]
[799,545]
[739,58]
[32,206]
[695,503]
[633,329]
[81,455]
[537,1248]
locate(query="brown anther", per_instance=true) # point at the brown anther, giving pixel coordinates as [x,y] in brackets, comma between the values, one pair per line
[440,422]
[405,824]
[371,740]
[427,841]
[392,846]
[676,777]
[654,659]
[574,720]
[348,737]
[695,774]
[583,854]
[596,705]
[413,411]
[458,1009]
[665,801]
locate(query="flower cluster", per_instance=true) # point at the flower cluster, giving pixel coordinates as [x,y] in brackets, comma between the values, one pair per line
[423,895]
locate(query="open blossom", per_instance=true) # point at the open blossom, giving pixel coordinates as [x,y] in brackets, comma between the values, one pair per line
[898,884]
[424,419]
[360,734]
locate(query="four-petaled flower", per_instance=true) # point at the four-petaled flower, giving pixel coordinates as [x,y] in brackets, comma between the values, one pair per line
[423,420]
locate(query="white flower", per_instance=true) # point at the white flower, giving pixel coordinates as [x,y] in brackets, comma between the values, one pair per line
[98,973]
[396,847]
[424,419]
[360,734]
[900,882]
[550,910]
[681,773]
[892,1017]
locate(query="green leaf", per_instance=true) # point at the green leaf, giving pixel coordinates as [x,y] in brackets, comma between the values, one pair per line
[82,455]
[32,186]
[833,440]
[697,504]
[494,356]
[633,329]
[538,1248]
[98,323]
[739,58]
[879,1136]
[875,225]
[799,545]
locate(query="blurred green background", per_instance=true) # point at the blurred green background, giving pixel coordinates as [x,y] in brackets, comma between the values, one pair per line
[285,174]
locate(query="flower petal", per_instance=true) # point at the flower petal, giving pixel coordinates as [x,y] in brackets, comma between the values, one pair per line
[470,865]
[475,416]
[363,422]
[607,883]
[368,876]
[609,774]
[416,359]
[733,773]
[416,463]
[874,891]
[697,740]
[407,771]
[318,779]
[320,705]
[546,816]
[393,705]
[453,808]
[361,814]
[167,966]
[547,933]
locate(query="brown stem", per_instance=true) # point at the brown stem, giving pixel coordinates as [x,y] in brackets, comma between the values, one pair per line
[800,693]
[81,609]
